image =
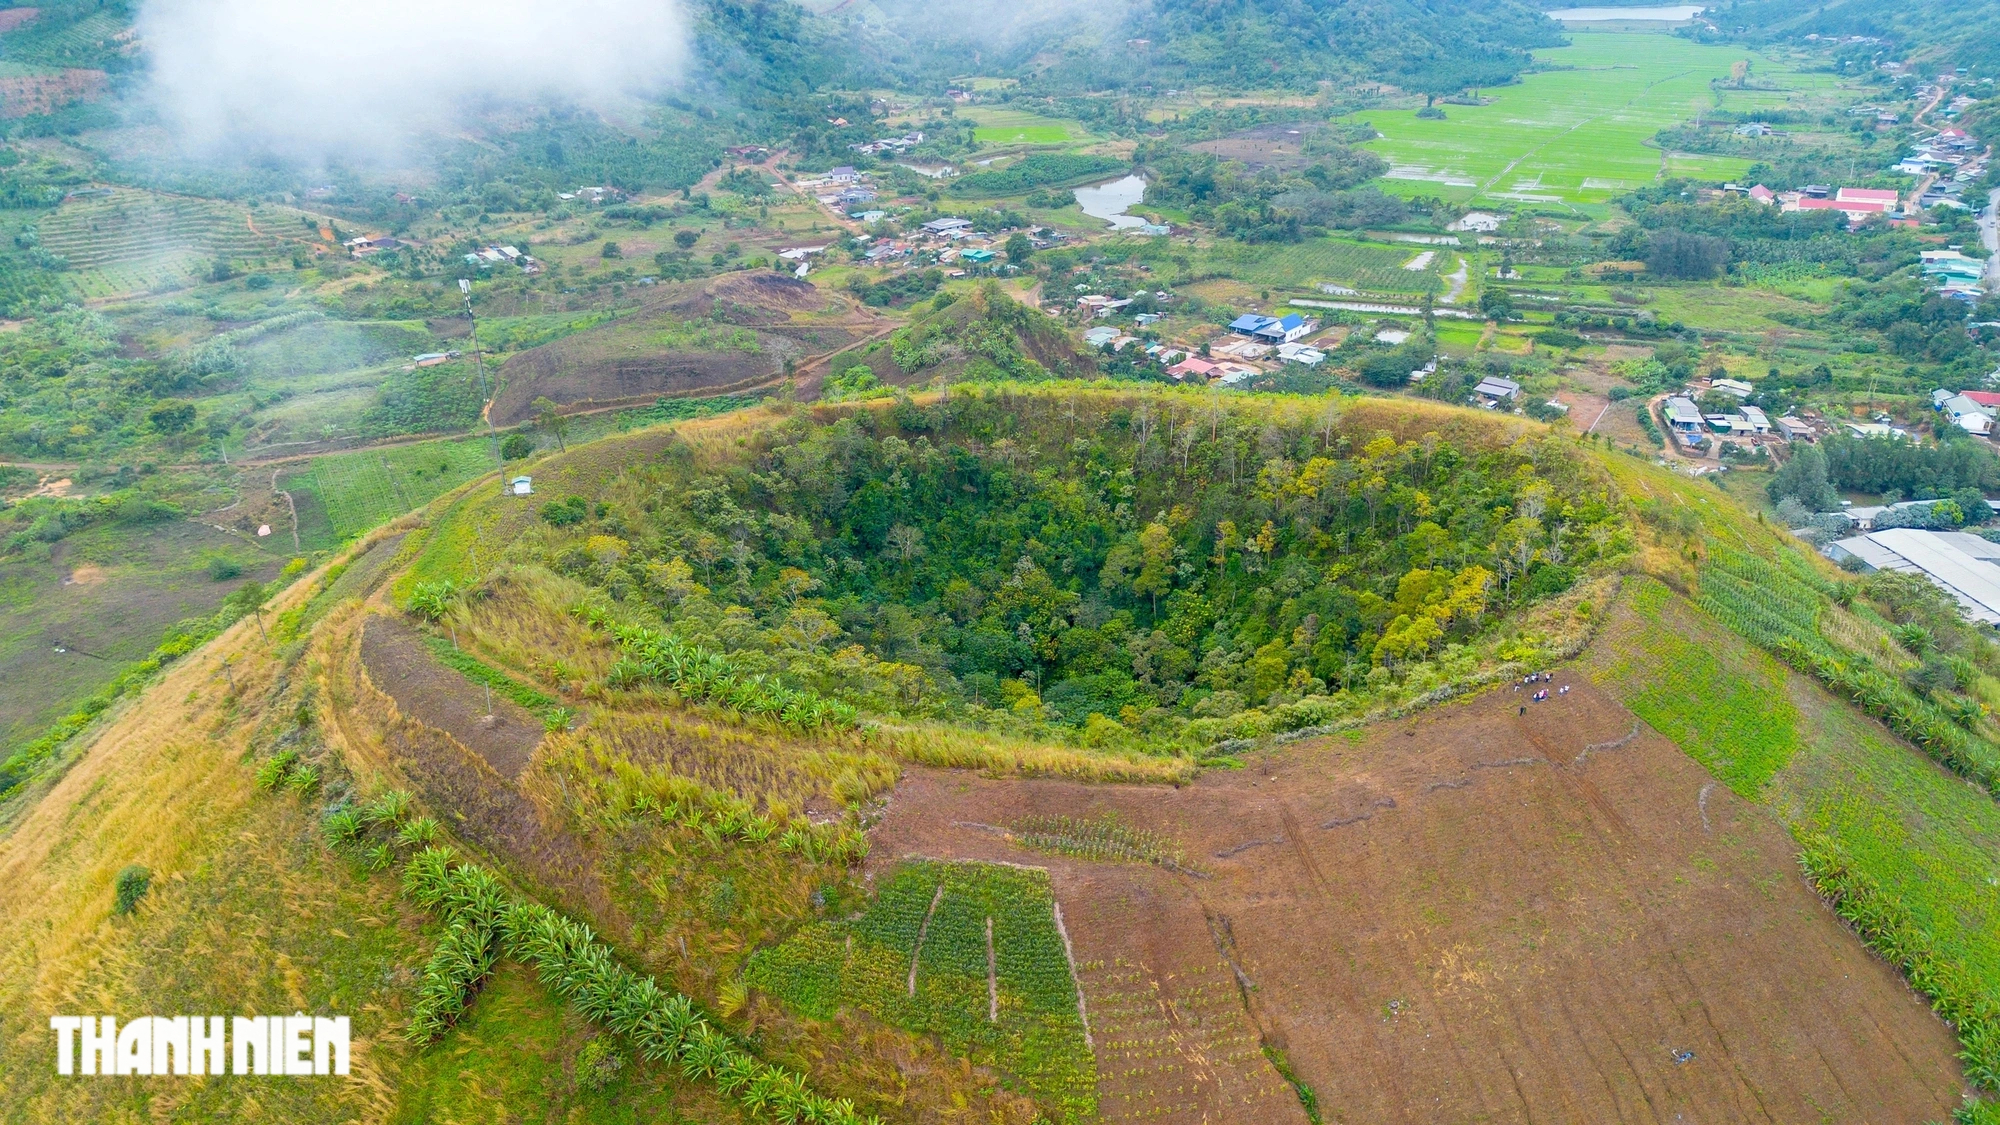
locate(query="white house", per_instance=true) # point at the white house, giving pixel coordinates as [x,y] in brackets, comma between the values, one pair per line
[1968,415]
[521,486]
[1304,354]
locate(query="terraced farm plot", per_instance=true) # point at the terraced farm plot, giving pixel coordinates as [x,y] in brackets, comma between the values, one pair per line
[134,241]
[1577,136]
[1476,915]
[92,41]
[26,88]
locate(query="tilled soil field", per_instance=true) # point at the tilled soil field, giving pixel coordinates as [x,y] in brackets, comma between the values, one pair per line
[1477,915]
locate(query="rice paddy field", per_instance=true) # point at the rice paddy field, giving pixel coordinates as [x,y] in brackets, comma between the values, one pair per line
[1019,127]
[1578,135]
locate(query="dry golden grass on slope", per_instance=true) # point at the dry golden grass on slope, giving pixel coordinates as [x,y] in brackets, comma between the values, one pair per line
[246,913]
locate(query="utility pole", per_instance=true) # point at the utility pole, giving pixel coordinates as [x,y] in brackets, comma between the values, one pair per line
[479,364]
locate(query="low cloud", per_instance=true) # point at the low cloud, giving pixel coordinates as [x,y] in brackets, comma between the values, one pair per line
[361,78]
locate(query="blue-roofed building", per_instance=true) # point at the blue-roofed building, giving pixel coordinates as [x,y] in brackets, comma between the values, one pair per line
[1249,323]
[1283,330]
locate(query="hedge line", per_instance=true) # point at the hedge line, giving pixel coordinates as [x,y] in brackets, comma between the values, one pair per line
[1955,992]
[663,1026]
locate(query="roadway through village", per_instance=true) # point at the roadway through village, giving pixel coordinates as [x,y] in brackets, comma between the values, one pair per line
[1989,233]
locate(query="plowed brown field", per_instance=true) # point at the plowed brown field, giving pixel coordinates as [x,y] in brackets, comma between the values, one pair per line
[1472,916]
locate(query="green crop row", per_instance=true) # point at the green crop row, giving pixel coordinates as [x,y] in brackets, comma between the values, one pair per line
[697,673]
[1955,992]
[938,914]
[483,921]
[1105,838]
[1779,610]
[721,817]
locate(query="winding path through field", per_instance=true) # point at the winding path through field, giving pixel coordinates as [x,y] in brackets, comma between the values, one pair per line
[1458,279]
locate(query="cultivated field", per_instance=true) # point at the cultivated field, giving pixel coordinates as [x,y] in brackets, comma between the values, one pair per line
[132,241]
[343,494]
[724,336]
[1927,838]
[1471,916]
[104,596]
[998,126]
[1574,135]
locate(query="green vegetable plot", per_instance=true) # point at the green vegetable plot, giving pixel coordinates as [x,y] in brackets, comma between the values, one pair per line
[1020,1017]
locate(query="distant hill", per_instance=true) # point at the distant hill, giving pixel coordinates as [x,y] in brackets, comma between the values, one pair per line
[1951,32]
[1431,46]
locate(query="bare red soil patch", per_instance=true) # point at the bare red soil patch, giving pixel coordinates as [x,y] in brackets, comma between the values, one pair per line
[652,353]
[1478,915]
[424,690]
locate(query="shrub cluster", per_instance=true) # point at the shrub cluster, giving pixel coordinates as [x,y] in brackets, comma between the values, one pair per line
[698,673]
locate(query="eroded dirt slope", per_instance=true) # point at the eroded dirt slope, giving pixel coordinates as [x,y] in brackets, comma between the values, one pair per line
[1475,916]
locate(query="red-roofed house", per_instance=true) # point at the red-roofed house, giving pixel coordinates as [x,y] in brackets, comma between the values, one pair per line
[1887,197]
[1984,398]
[1762,194]
[1193,366]
[1855,209]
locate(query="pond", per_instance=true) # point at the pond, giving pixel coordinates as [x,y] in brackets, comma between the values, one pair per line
[1109,201]
[1674,13]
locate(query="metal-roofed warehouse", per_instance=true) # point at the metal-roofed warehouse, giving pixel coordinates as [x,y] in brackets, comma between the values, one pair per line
[1964,566]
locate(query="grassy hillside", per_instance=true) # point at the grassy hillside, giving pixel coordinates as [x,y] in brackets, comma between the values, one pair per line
[1892,832]
[665,698]
[248,911]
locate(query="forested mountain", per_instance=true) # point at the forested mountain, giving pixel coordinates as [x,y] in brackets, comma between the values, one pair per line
[1433,46]
[1952,32]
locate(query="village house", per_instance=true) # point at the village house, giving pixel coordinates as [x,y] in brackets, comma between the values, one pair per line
[370,244]
[1494,391]
[1285,329]
[1685,420]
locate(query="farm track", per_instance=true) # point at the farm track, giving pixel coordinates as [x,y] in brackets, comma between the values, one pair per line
[431,693]
[1463,917]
